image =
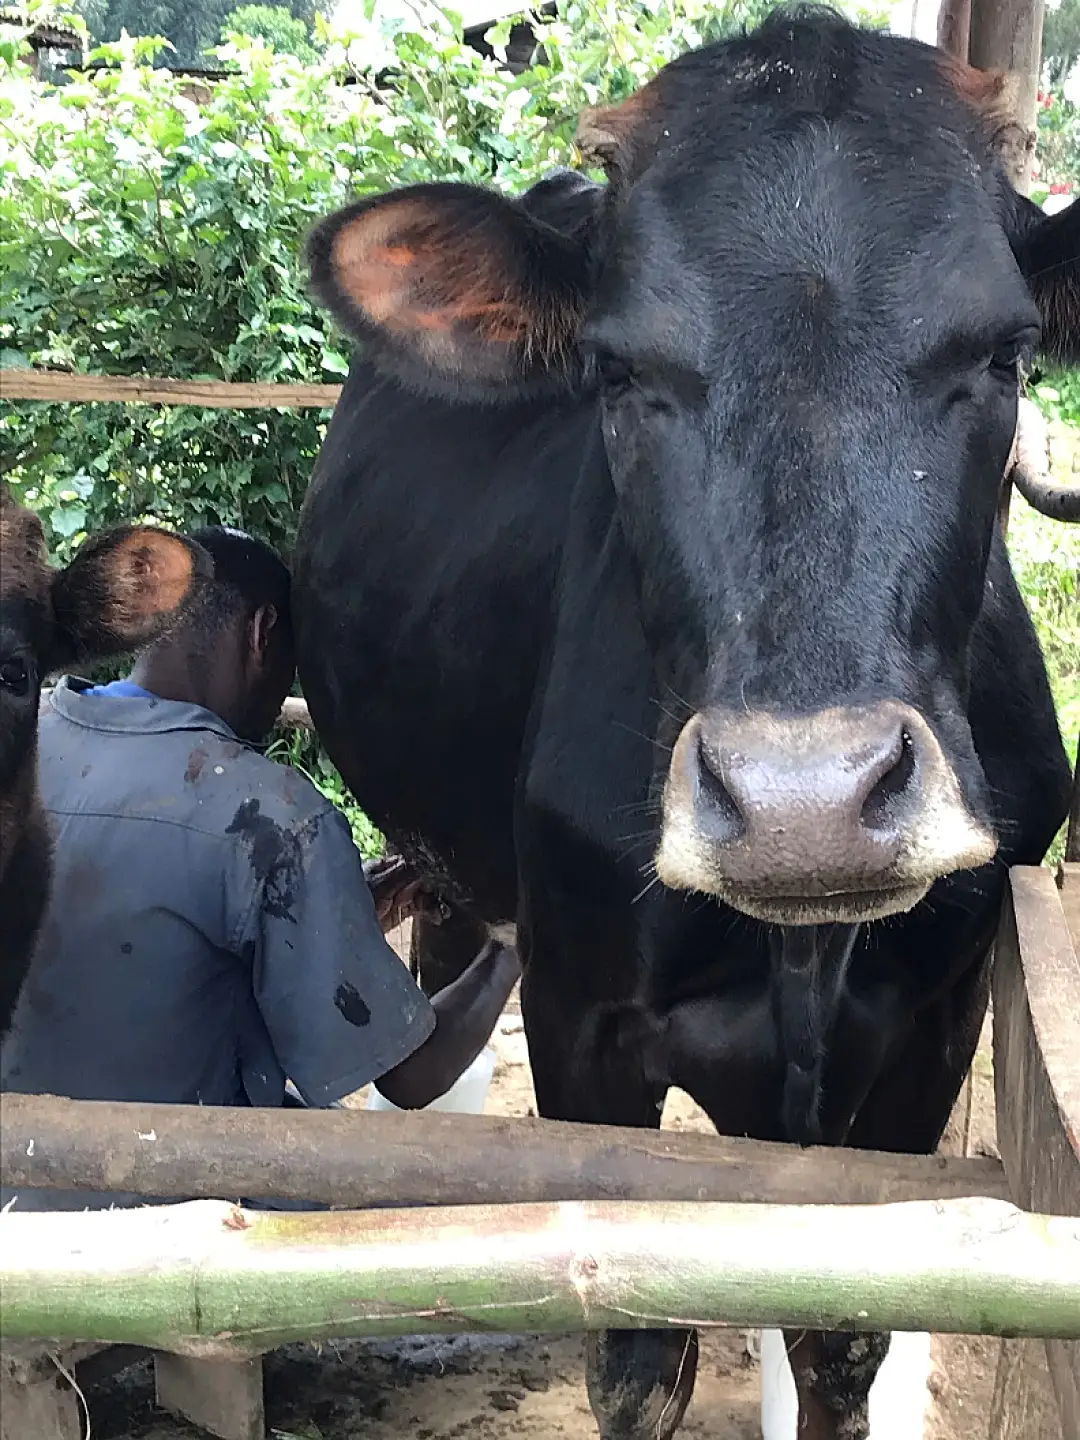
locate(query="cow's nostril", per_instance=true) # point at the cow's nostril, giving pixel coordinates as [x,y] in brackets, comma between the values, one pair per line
[879,808]
[718,809]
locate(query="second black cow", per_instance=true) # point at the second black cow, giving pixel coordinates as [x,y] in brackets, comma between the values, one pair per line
[651,596]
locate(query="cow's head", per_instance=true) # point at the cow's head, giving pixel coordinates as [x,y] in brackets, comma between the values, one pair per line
[802,299]
[118,593]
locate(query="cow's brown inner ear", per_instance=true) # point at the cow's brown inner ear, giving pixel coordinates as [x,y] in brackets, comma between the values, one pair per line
[122,589]
[606,134]
[408,271]
[152,573]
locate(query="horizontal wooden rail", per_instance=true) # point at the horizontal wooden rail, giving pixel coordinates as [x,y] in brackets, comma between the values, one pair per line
[209,394]
[212,1280]
[357,1158]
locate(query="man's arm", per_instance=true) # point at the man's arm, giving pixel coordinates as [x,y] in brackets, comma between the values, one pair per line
[466,1013]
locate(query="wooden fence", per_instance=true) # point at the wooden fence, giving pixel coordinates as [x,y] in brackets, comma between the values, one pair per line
[526,1208]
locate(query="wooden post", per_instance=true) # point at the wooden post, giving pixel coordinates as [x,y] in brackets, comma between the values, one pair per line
[222,1396]
[954,28]
[1037,1082]
[1007,35]
[1072,839]
[1023,1406]
[37,1399]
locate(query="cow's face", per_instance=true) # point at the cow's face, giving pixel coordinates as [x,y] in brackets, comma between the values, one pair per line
[118,593]
[802,300]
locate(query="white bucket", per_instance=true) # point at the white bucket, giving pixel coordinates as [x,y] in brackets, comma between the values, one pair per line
[898,1396]
[467,1096]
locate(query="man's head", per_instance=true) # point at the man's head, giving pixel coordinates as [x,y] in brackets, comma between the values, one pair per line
[234,654]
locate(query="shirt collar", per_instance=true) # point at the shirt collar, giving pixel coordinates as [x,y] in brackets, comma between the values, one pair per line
[132,715]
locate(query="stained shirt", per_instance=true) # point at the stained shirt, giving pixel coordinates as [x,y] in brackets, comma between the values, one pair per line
[209,930]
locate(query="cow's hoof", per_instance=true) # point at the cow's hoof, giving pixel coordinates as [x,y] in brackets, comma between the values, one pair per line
[640,1381]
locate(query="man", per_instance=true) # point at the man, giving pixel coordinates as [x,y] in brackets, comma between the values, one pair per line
[210,931]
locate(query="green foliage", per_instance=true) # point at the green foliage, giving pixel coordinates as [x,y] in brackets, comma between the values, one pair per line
[142,233]
[1046,558]
[282,31]
[1058,141]
[302,751]
[192,27]
[1061,40]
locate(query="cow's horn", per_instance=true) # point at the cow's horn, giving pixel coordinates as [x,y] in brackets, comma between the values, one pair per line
[1058,502]
[1031,473]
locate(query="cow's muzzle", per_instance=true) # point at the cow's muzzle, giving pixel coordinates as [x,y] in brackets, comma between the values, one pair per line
[844,815]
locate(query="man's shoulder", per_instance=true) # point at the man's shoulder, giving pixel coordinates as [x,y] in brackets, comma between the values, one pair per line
[235,783]
[278,791]
[195,777]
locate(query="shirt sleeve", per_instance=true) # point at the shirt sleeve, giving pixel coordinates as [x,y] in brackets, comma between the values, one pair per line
[340,1007]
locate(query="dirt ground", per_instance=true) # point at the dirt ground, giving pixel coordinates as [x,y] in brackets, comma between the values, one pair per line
[512,1388]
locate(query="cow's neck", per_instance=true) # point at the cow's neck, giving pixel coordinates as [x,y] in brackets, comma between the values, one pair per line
[810,964]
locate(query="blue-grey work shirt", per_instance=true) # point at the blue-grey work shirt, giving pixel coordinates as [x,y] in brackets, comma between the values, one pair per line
[210,931]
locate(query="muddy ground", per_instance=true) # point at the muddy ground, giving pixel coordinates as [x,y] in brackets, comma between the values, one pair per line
[508,1388]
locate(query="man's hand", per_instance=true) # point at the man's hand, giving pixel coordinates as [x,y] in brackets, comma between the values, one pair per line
[398,891]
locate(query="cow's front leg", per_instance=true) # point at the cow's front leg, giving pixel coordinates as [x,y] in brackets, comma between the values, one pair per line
[590,1065]
[834,1372]
[833,1375]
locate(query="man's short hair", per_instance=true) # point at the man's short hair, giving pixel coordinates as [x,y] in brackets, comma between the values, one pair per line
[248,574]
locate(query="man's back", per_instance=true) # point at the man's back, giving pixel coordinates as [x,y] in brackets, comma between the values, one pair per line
[210,928]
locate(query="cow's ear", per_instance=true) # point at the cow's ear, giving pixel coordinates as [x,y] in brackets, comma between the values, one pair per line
[122,590]
[455,287]
[1047,249]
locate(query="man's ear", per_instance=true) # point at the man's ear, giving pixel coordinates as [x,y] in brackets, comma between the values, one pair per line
[1047,249]
[263,624]
[457,289]
[122,590]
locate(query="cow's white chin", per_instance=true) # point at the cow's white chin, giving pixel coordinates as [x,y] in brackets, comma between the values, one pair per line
[685,862]
[849,909]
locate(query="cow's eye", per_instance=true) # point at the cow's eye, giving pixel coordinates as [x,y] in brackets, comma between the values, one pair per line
[616,374]
[15,676]
[1005,360]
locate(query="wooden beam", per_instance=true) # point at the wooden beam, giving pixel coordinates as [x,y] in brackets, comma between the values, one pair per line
[147,390]
[356,1158]
[211,1280]
[1037,1076]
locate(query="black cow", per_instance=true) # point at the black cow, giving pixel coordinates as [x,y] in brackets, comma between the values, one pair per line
[119,591]
[650,593]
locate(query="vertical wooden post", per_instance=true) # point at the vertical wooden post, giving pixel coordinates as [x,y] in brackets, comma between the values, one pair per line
[954,28]
[1072,839]
[1007,35]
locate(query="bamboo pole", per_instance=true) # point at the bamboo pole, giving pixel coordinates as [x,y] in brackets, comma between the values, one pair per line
[210,1280]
